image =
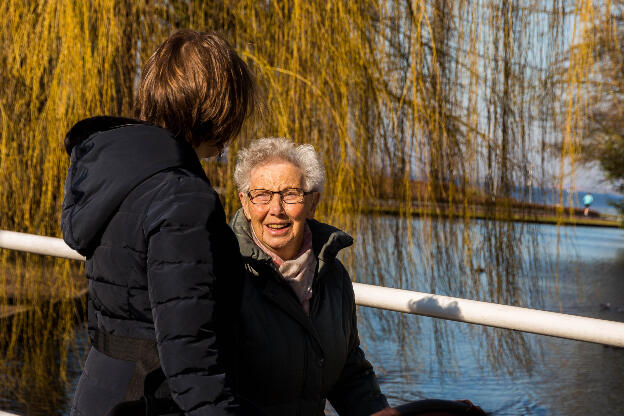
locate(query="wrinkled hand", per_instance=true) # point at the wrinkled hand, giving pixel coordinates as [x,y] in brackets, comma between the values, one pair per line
[388,411]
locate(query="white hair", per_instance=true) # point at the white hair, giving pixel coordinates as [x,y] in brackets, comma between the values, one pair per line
[266,150]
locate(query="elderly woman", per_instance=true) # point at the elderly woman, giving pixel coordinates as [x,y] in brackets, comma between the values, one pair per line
[298,342]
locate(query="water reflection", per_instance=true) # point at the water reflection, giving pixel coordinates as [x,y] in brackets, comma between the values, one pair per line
[578,271]
[499,262]
[585,378]
[40,370]
[559,377]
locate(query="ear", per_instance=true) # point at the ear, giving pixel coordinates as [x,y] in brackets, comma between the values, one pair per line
[316,197]
[245,205]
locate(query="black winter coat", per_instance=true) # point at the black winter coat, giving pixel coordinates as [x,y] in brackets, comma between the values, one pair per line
[288,363]
[140,208]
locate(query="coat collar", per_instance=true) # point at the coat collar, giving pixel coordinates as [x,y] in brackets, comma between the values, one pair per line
[89,126]
[109,157]
[327,241]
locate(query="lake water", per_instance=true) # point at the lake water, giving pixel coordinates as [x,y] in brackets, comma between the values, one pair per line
[552,376]
[581,272]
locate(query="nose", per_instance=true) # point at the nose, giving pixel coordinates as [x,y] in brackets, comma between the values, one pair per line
[275,204]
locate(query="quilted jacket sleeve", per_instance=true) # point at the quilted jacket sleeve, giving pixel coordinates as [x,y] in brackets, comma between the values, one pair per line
[183,229]
[357,392]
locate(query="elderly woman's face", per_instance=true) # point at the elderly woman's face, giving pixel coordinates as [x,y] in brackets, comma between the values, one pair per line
[278,225]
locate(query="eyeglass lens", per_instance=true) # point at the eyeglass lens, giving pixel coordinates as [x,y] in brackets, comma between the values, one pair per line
[289,196]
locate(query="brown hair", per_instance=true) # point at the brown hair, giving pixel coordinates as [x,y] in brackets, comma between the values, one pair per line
[196,86]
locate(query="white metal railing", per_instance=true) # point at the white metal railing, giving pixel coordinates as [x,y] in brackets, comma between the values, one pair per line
[436,306]
[48,246]
[492,314]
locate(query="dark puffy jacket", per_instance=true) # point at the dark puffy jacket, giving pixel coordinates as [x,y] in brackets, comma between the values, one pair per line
[288,363]
[140,208]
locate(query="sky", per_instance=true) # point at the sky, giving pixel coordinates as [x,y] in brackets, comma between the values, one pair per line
[592,179]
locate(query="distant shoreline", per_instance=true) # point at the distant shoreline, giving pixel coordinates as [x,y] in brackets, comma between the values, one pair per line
[542,214]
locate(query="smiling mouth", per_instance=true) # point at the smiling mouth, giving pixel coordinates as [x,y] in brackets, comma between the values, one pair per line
[278,226]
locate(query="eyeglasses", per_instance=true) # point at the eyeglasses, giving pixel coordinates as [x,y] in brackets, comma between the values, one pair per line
[288,196]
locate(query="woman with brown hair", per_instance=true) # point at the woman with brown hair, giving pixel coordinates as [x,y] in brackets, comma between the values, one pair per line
[164,269]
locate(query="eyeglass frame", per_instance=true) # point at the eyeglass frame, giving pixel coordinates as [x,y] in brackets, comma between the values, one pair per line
[304,193]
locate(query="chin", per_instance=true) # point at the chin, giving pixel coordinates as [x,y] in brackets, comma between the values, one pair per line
[276,247]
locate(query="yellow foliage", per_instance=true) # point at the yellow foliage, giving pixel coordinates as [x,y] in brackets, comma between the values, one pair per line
[430,107]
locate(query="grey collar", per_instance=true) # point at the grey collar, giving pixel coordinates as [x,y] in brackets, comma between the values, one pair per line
[327,241]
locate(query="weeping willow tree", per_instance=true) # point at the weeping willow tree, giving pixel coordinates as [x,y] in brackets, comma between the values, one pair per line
[604,138]
[440,109]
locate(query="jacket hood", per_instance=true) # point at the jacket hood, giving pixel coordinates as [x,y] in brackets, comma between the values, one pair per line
[327,241]
[109,156]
